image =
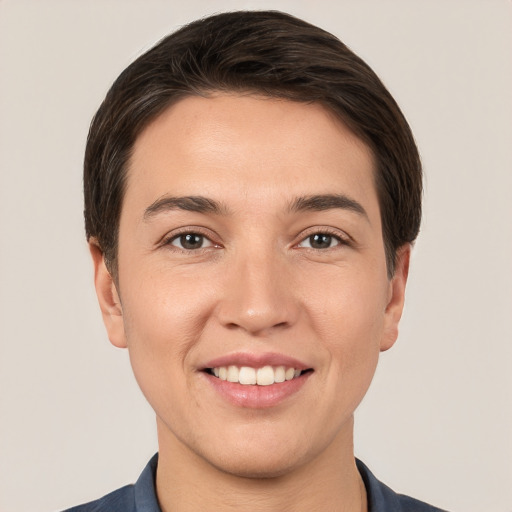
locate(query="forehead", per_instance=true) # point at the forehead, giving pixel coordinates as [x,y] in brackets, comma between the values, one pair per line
[253,146]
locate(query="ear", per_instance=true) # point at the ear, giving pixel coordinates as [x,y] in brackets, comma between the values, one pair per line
[108,297]
[396,297]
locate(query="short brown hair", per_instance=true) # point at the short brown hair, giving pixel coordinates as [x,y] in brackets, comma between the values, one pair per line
[265,52]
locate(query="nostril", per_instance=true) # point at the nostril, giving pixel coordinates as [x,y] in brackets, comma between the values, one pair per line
[255,329]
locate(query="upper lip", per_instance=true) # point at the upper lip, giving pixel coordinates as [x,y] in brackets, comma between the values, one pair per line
[256,361]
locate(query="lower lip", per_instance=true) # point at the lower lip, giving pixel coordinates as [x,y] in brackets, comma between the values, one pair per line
[257,397]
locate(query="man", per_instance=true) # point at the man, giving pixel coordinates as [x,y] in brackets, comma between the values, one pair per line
[251,195]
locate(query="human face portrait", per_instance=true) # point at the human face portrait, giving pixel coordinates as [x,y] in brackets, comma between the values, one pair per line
[252,290]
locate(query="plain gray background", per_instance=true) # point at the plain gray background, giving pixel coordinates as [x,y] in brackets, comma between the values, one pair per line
[437,421]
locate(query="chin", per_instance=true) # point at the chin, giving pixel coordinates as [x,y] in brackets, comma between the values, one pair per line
[262,457]
[261,468]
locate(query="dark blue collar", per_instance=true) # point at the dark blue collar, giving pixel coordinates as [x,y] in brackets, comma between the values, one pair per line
[380,497]
[145,488]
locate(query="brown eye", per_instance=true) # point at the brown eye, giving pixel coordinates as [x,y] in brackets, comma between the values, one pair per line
[191,241]
[320,241]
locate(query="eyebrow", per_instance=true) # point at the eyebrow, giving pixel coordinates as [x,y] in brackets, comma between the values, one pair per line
[327,202]
[198,204]
[201,204]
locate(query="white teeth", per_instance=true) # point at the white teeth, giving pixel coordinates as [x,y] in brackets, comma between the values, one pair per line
[265,376]
[247,375]
[280,374]
[289,374]
[233,374]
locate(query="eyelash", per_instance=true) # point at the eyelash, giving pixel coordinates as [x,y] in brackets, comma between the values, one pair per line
[168,241]
[333,234]
[342,240]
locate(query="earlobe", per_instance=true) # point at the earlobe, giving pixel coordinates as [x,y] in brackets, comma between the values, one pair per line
[396,300]
[108,297]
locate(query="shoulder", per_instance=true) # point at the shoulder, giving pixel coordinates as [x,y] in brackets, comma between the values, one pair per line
[383,499]
[121,500]
[130,498]
[409,504]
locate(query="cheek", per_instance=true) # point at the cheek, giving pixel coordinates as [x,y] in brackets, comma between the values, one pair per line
[164,307]
[349,318]
[349,309]
[163,319]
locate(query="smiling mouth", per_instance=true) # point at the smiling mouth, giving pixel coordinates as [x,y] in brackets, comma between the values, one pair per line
[248,376]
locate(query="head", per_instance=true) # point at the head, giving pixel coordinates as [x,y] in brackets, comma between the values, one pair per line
[252,191]
[266,53]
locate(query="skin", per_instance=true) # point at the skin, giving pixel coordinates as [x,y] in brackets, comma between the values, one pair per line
[258,284]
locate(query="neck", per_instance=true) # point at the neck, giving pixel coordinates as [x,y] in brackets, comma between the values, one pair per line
[186,482]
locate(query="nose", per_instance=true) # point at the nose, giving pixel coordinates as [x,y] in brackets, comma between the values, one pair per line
[258,295]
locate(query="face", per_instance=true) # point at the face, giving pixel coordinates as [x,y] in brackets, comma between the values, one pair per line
[252,292]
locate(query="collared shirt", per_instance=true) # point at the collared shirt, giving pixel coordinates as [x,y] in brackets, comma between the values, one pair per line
[141,497]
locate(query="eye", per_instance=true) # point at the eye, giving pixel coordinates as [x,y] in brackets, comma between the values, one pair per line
[320,241]
[190,241]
